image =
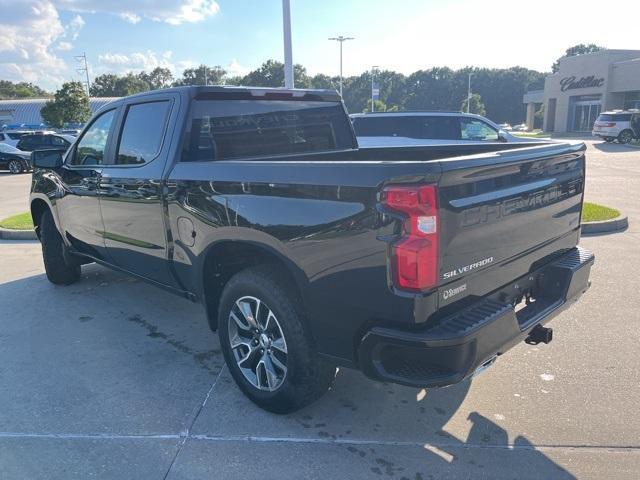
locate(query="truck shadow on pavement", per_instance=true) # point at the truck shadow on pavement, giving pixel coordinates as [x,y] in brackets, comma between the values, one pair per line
[111,355]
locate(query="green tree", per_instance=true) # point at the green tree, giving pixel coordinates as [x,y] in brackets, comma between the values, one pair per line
[158,78]
[70,104]
[104,86]
[202,75]
[271,74]
[476,105]
[579,49]
[10,90]
[130,84]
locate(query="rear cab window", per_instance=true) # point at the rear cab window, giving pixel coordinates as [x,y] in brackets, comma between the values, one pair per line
[229,129]
[142,132]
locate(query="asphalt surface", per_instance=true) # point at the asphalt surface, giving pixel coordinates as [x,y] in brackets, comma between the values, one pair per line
[113,378]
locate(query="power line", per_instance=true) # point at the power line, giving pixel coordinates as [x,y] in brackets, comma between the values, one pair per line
[82,59]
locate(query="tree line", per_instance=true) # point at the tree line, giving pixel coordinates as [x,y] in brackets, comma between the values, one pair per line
[497,92]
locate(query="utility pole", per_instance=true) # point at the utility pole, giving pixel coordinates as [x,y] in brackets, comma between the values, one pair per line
[288,56]
[341,39]
[83,69]
[374,93]
[469,94]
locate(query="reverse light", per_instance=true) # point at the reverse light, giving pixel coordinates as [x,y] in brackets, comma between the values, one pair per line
[415,255]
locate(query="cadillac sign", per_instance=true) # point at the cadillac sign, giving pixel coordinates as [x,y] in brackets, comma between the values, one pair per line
[571,83]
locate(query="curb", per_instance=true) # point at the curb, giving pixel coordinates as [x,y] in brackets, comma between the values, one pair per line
[606,226]
[6,234]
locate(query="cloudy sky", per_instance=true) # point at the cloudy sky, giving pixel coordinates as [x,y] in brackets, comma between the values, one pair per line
[39,38]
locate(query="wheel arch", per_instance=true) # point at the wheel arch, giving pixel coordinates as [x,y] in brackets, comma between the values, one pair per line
[38,207]
[225,258]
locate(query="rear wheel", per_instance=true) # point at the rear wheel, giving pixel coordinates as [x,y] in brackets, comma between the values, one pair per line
[609,139]
[59,268]
[262,334]
[625,136]
[15,166]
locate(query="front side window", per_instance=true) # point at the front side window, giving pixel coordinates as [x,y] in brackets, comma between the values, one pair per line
[477,131]
[142,133]
[91,148]
[222,129]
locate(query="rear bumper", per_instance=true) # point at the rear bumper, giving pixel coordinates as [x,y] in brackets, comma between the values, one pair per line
[459,344]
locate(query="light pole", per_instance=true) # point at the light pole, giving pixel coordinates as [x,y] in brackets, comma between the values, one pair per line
[374,70]
[288,56]
[469,94]
[341,39]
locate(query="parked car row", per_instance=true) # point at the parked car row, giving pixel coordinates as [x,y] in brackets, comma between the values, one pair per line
[16,147]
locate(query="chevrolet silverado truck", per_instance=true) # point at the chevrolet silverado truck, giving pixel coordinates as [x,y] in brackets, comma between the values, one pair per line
[418,265]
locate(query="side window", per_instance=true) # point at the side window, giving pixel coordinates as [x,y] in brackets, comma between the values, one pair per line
[142,133]
[91,147]
[476,130]
[440,127]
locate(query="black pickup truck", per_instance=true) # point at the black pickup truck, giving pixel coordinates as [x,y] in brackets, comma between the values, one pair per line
[417,265]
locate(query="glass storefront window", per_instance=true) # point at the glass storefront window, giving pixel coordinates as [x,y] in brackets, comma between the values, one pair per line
[583,112]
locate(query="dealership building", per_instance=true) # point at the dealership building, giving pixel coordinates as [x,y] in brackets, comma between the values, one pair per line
[584,86]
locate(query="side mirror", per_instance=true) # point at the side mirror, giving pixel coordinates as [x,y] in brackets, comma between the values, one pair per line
[46,158]
[502,136]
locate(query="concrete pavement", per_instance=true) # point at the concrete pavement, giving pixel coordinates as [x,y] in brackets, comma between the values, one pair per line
[14,193]
[113,378]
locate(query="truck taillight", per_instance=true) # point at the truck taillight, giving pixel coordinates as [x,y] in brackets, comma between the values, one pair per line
[415,255]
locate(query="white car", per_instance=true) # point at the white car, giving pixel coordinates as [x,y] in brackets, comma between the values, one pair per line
[621,125]
[12,137]
[383,129]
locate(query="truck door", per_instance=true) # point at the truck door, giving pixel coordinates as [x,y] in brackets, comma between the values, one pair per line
[79,208]
[131,191]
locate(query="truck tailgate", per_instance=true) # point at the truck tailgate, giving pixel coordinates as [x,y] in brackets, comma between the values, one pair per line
[512,207]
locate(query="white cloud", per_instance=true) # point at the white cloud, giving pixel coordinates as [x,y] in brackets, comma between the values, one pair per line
[29,30]
[64,46]
[173,12]
[234,68]
[120,63]
[72,29]
[130,17]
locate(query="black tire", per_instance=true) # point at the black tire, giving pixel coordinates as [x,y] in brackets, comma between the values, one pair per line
[625,136]
[609,139]
[15,166]
[60,270]
[307,376]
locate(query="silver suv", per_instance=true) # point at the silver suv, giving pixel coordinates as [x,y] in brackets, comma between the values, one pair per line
[621,125]
[427,128]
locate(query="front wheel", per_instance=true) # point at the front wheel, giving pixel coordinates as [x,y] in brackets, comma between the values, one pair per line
[270,355]
[15,166]
[625,136]
[59,268]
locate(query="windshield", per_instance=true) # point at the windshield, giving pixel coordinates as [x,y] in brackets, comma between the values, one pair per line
[8,148]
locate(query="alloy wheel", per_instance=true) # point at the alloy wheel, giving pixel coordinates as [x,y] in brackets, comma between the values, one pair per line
[14,166]
[626,137]
[258,344]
